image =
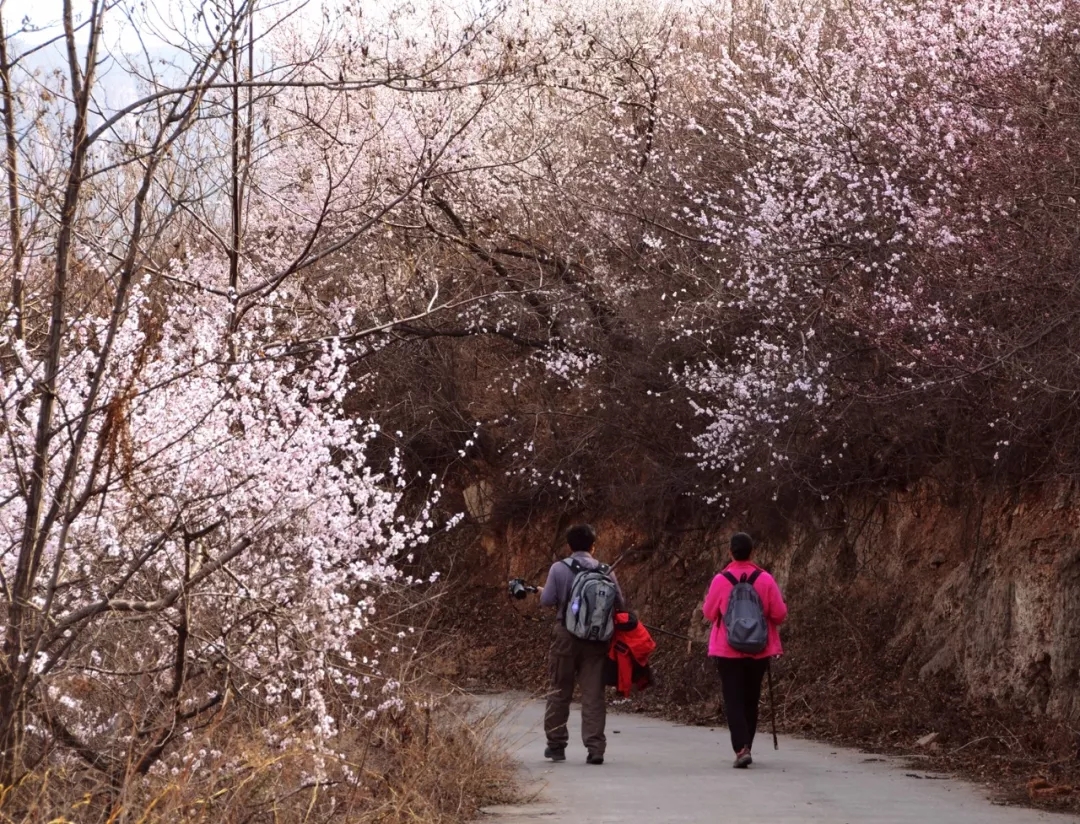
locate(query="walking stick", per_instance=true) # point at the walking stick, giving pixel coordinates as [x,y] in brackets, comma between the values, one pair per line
[772,709]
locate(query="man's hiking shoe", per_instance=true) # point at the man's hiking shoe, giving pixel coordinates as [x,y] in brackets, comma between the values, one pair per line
[743,759]
[555,753]
[594,759]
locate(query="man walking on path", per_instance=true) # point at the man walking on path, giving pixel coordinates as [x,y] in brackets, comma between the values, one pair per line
[573,659]
[741,673]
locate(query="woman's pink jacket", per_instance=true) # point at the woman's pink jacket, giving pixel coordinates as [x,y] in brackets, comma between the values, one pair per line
[771,601]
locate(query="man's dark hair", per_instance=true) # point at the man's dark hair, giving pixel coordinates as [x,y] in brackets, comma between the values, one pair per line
[741,546]
[581,537]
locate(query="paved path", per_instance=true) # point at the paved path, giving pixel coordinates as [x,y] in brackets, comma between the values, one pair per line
[661,773]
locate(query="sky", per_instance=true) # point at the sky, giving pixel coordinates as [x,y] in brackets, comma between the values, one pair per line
[162,15]
[116,87]
[114,83]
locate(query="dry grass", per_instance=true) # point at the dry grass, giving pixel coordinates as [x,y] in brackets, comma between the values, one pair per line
[436,762]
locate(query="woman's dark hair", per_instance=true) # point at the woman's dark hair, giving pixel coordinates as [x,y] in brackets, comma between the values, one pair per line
[741,546]
[581,537]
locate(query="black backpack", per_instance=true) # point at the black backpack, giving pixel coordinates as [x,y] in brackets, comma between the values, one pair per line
[590,612]
[747,629]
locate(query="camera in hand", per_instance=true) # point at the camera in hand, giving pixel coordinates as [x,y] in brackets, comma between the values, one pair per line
[519,589]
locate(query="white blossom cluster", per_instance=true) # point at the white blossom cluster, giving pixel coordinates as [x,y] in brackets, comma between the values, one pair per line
[845,214]
[226,500]
[568,365]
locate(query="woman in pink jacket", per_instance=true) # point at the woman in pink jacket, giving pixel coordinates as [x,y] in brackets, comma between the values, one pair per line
[741,673]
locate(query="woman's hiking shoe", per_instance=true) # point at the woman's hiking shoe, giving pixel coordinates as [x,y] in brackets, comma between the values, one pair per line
[555,753]
[743,759]
[594,759]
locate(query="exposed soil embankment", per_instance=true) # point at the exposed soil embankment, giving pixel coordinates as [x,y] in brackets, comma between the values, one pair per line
[950,619]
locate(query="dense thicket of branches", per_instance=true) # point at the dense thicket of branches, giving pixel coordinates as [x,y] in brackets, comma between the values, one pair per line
[801,249]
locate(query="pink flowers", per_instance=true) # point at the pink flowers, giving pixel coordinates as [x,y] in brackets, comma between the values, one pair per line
[203,450]
[858,194]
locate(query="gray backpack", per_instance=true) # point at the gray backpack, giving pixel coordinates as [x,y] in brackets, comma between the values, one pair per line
[590,612]
[747,629]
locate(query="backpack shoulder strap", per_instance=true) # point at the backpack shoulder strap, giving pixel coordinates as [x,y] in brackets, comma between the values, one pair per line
[734,581]
[754,576]
[574,564]
[603,569]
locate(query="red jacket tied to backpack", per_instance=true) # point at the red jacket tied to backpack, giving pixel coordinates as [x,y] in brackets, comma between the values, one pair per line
[628,656]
